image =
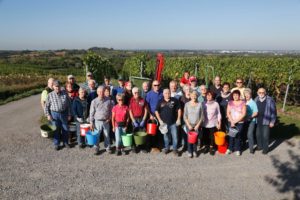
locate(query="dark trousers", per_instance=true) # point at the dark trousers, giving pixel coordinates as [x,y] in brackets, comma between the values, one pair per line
[262,137]
[208,136]
[235,142]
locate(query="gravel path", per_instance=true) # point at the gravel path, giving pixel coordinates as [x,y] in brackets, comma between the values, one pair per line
[31,169]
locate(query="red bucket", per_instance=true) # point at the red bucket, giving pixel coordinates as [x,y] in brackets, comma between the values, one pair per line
[223,148]
[192,137]
[152,127]
[84,128]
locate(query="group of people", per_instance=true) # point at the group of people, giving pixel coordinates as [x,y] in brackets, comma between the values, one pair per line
[182,107]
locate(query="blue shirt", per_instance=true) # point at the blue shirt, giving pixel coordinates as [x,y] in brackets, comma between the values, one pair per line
[117,90]
[152,99]
[251,108]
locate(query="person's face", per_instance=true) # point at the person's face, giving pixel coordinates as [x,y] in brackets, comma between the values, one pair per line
[56,88]
[120,101]
[193,97]
[236,97]
[136,94]
[173,87]
[187,91]
[261,93]
[226,88]
[92,85]
[100,93]
[50,84]
[69,88]
[89,77]
[121,83]
[247,96]
[239,83]
[167,94]
[71,80]
[217,81]
[106,81]
[81,94]
[129,86]
[203,91]
[156,86]
[145,87]
[106,93]
[186,75]
[209,97]
[193,83]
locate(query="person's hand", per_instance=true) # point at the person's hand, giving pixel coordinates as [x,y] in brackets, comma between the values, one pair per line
[92,127]
[142,124]
[88,120]
[125,128]
[80,120]
[218,126]
[151,117]
[232,124]
[69,118]
[196,128]
[135,124]
[271,125]
[49,118]
[113,129]
[161,122]
[178,122]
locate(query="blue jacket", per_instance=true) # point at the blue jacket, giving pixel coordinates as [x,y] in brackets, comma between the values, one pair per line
[152,99]
[270,114]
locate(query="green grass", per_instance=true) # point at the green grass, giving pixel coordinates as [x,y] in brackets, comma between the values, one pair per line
[21,95]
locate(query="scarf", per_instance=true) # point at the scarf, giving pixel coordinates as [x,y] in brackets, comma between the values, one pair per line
[262,99]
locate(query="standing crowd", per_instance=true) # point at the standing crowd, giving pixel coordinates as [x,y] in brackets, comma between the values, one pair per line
[183,107]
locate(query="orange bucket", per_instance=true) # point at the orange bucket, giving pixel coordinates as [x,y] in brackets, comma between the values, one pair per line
[219,138]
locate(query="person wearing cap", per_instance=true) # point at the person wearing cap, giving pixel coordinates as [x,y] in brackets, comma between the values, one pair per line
[71,80]
[168,113]
[100,116]
[185,79]
[175,92]
[138,111]
[118,89]
[127,92]
[152,98]
[239,86]
[194,86]
[145,89]
[46,91]
[58,111]
[216,87]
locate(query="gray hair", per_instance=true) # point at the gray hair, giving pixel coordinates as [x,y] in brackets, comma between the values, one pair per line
[100,88]
[135,89]
[120,95]
[247,90]
[92,81]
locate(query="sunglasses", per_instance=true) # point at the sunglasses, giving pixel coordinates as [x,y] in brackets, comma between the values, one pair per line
[261,93]
[156,85]
[239,82]
[120,99]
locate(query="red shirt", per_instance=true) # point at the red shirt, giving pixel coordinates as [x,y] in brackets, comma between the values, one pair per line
[137,107]
[120,113]
[185,81]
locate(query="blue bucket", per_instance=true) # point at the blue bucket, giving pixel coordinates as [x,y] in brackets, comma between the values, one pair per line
[91,137]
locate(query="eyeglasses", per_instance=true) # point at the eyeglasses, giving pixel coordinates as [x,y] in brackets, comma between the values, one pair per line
[261,93]
[156,85]
[135,92]
[239,82]
[120,99]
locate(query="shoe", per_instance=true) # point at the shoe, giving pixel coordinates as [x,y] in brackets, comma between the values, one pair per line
[175,152]
[97,152]
[265,152]
[118,152]
[166,151]
[251,151]
[56,147]
[258,149]
[108,150]
[196,154]
[211,151]
[155,150]
[190,155]
[238,153]
[206,150]
[144,151]
[67,146]
[228,152]
[134,149]
[81,146]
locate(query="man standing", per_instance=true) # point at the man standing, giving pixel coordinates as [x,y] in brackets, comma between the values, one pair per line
[266,119]
[100,116]
[71,80]
[175,92]
[145,89]
[46,91]
[168,112]
[216,87]
[58,111]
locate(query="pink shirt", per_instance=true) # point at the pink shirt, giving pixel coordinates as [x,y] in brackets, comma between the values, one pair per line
[120,113]
[212,114]
[236,111]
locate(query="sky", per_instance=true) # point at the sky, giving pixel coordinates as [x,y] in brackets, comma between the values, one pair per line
[150,24]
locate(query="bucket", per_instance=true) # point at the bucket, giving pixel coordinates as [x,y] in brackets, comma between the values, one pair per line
[219,138]
[47,130]
[127,140]
[152,127]
[91,137]
[84,128]
[192,137]
[223,148]
[140,138]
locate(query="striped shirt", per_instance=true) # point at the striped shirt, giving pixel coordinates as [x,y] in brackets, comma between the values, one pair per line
[57,102]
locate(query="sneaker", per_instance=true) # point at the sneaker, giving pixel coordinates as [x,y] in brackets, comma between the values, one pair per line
[80,146]
[97,152]
[134,149]
[251,151]
[166,151]
[228,152]
[144,151]
[190,155]
[211,151]
[265,152]
[67,146]
[56,147]
[238,153]
[206,150]
[108,150]
[196,154]
[118,152]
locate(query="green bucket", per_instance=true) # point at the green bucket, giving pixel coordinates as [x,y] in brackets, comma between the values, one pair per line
[127,140]
[140,138]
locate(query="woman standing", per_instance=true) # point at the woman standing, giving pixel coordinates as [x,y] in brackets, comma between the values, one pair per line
[212,120]
[223,100]
[120,120]
[236,112]
[252,112]
[193,117]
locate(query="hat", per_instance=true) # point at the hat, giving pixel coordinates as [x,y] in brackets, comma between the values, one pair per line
[89,74]
[70,76]
[192,78]
[56,83]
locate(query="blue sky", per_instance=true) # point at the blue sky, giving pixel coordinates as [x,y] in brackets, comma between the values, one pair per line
[153,24]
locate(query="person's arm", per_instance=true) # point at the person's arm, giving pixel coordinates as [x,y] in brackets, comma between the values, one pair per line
[219,116]
[229,116]
[47,108]
[127,120]
[186,118]
[158,117]
[92,115]
[273,113]
[113,121]
[244,112]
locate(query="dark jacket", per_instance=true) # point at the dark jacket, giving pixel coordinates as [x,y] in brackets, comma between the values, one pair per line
[270,114]
[79,109]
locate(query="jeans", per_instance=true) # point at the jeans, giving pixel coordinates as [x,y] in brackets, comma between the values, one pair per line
[262,137]
[80,139]
[172,132]
[118,134]
[191,147]
[235,142]
[250,134]
[99,126]
[60,120]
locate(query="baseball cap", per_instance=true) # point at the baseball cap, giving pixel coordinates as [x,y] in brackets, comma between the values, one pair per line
[192,78]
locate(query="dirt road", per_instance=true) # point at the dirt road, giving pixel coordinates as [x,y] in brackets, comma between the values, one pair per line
[31,169]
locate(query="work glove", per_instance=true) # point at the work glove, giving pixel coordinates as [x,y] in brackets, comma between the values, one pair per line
[135,124]
[142,124]
[80,120]
[161,122]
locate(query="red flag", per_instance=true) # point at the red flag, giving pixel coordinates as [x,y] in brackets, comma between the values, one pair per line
[159,66]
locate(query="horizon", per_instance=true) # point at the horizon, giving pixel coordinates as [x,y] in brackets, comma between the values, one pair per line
[269,25]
